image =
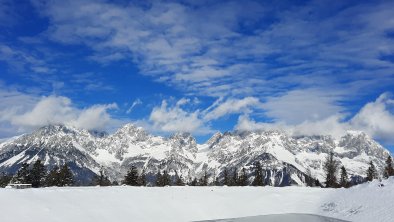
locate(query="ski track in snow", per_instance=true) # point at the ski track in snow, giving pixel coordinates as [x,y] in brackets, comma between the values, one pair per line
[366,202]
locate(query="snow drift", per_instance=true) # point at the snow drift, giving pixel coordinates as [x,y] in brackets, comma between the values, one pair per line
[366,202]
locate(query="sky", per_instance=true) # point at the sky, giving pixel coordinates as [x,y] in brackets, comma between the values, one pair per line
[304,67]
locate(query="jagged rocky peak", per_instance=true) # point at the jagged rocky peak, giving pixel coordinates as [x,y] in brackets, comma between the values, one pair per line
[359,142]
[283,156]
[214,139]
[63,131]
[54,129]
[183,140]
[98,133]
[131,130]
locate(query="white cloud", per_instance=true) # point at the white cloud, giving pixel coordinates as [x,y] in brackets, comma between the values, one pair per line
[375,118]
[49,110]
[22,60]
[232,106]
[178,43]
[298,106]
[95,117]
[60,110]
[175,119]
[135,103]
[329,126]
[21,112]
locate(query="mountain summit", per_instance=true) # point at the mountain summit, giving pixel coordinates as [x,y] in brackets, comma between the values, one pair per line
[286,160]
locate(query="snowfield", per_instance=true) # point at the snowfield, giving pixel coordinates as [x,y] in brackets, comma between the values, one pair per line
[366,202]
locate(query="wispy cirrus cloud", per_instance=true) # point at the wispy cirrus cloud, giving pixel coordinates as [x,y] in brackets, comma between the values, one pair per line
[297,64]
[215,49]
[183,116]
[23,61]
[376,118]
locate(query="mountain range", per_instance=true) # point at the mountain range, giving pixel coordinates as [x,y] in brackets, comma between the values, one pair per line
[286,160]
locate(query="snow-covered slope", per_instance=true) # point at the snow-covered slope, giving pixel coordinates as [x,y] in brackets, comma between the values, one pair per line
[88,152]
[366,202]
[286,160]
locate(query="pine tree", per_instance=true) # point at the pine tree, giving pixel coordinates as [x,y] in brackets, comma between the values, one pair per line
[66,177]
[308,178]
[388,170]
[37,174]
[52,178]
[131,177]
[317,183]
[330,168]
[166,179]
[4,179]
[226,179]
[159,179]
[115,183]
[217,181]
[234,178]
[23,175]
[243,178]
[371,172]
[100,180]
[142,178]
[179,180]
[193,182]
[204,179]
[258,175]
[343,182]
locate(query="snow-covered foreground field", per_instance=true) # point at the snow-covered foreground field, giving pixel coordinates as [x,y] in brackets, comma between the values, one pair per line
[367,202]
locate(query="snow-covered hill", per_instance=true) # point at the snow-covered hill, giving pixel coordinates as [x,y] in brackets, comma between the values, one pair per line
[286,160]
[365,202]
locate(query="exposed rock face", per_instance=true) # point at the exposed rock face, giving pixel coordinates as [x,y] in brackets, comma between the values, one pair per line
[285,160]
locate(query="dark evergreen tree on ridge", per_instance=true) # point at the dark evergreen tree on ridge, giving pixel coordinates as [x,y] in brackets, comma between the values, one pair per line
[226,179]
[193,182]
[388,170]
[5,179]
[243,178]
[142,178]
[217,181]
[310,182]
[52,178]
[131,177]
[66,177]
[101,179]
[204,179]
[163,179]
[38,174]
[234,178]
[258,175]
[371,172]
[179,180]
[23,175]
[330,168]
[159,179]
[317,183]
[166,179]
[343,181]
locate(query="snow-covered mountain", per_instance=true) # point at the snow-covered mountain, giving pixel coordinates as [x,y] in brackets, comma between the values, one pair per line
[286,160]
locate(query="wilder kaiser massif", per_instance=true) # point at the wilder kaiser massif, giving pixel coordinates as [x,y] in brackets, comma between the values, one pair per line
[286,160]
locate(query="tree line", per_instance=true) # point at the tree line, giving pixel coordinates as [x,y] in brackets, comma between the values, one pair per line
[331,167]
[233,178]
[37,175]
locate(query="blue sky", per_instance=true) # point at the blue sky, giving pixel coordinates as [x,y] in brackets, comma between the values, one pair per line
[306,67]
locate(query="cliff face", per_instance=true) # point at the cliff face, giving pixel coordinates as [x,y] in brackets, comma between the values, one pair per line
[285,160]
